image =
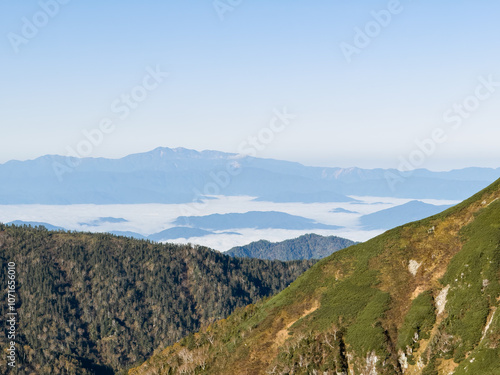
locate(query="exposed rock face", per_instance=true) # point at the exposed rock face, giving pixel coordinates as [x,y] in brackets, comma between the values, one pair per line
[413,267]
[371,364]
[403,361]
[441,300]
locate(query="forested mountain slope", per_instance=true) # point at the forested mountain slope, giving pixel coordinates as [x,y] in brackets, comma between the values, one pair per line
[420,299]
[95,303]
[308,246]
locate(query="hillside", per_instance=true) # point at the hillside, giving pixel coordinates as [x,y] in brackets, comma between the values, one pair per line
[308,246]
[95,303]
[419,299]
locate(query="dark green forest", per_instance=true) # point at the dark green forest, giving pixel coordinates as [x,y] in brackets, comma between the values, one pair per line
[308,246]
[98,303]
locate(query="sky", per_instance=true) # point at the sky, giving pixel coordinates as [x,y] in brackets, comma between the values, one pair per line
[390,84]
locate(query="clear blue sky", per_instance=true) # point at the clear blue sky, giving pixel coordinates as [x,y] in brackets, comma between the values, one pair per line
[226,77]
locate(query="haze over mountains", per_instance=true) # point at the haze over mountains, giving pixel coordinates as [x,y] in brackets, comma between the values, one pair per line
[180,175]
[395,216]
[354,310]
[252,219]
[222,200]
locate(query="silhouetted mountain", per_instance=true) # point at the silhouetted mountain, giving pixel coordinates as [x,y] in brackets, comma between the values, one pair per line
[399,215]
[342,210]
[180,176]
[34,224]
[252,219]
[178,232]
[104,220]
[308,246]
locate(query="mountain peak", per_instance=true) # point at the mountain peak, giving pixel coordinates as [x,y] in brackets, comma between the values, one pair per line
[182,152]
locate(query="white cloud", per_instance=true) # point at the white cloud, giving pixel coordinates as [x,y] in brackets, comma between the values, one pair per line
[152,218]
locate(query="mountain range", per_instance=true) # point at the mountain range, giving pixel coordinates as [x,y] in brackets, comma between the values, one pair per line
[251,219]
[199,226]
[35,224]
[180,175]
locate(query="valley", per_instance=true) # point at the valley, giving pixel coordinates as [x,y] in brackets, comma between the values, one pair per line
[143,220]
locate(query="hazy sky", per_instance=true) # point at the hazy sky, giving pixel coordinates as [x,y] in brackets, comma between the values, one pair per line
[365,79]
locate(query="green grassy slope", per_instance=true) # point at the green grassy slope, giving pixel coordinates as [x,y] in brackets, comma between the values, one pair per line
[418,299]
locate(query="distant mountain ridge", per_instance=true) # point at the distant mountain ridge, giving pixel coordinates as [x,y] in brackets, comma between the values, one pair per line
[399,215]
[308,246]
[180,175]
[252,219]
[35,224]
[165,235]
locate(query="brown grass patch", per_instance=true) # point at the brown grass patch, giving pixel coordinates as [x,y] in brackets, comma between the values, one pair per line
[282,335]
